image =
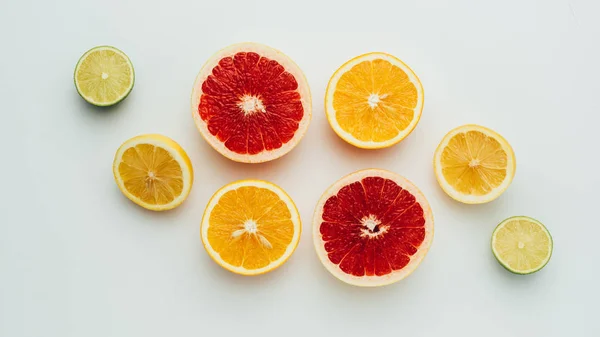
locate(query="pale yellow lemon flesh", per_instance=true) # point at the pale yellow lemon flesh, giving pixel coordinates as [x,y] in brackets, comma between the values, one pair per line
[474,164]
[153,171]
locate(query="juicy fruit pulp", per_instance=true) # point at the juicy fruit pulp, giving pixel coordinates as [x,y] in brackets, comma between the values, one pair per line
[104,76]
[375,100]
[251,103]
[251,227]
[476,164]
[373,227]
[522,244]
[381,106]
[372,218]
[150,174]
[251,233]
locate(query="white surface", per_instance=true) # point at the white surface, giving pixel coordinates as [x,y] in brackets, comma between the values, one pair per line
[78,259]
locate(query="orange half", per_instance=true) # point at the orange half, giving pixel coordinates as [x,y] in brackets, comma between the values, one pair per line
[250,227]
[374,101]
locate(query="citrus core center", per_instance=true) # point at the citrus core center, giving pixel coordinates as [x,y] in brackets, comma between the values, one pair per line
[521,245]
[251,105]
[371,223]
[474,163]
[374,100]
[373,228]
[104,75]
[250,226]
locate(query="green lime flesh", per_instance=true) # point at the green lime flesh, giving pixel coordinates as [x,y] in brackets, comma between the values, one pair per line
[539,236]
[119,92]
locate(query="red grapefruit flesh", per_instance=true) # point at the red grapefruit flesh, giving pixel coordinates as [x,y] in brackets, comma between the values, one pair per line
[372,228]
[251,103]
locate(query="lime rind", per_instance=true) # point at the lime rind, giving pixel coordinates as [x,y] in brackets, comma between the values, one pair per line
[504,264]
[123,96]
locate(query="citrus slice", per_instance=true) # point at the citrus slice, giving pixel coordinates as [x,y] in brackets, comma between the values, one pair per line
[522,245]
[372,228]
[474,164]
[251,103]
[250,227]
[153,171]
[374,101]
[104,76]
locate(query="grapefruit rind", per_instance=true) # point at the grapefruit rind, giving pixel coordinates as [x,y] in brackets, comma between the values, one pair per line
[205,224]
[331,112]
[394,276]
[86,97]
[175,150]
[474,199]
[289,66]
[498,257]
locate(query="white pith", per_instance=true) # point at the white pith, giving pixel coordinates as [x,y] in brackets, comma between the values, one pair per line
[251,105]
[250,227]
[289,66]
[468,198]
[261,184]
[372,281]
[154,140]
[372,100]
[370,222]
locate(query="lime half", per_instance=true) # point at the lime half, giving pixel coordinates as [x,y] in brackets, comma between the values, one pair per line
[522,245]
[104,76]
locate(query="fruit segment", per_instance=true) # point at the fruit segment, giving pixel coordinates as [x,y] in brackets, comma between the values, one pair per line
[374,100]
[153,171]
[250,227]
[251,103]
[372,227]
[474,164]
[104,76]
[522,245]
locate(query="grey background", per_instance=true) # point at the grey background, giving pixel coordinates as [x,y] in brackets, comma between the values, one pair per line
[78,259]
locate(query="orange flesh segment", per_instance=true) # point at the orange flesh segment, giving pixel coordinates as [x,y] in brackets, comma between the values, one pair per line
[392,96]
[474,163]
[250,227]
[151,174]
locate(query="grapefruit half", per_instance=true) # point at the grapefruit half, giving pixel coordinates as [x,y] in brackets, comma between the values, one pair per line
[372,228]
[251,103]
